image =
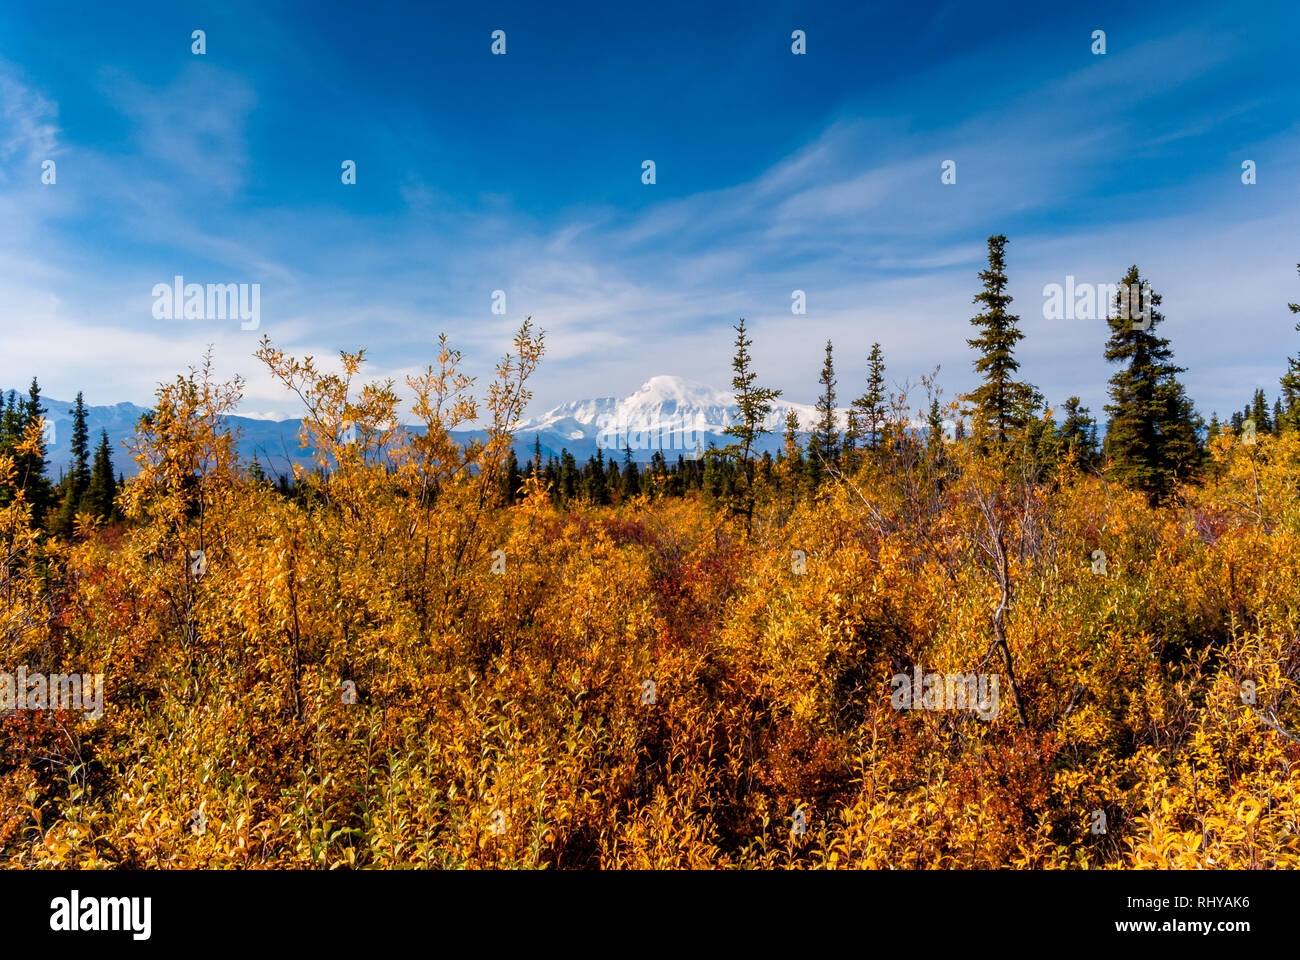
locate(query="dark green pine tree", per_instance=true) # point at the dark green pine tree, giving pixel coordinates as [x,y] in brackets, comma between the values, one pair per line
[10,433]
[613,479]
[594,486]
[791,459]
[510,480]
[31,474]
[755,405]
[77,479]
[631,475]
[551,479]
[9,423]
[1151,439]
[655,482]
[1291,380]
[678,478]
[934,426]
[1078,433]
[870,407]
[852,435]
[826,431]
[569,478]
[1259,412]
[1001,402]
[101,491]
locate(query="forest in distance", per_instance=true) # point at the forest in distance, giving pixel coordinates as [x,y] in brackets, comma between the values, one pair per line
[1040,638]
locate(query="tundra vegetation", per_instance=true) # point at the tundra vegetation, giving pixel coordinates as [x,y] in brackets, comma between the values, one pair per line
[417,654]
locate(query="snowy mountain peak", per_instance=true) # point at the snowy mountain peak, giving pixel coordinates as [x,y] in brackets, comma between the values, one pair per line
[679,390]
[668,413]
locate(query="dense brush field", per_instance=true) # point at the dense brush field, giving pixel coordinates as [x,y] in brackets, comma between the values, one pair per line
[660,682]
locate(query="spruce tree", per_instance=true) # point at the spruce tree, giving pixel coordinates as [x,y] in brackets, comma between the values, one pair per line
[1001,402]
[73,487]
[101,494]
[80,469]
[1151,439]
[934,426]
[631,475]
[9,424]
[511,481]
[569,477]
[31,467]
[870,407]
[1259,412]
[550,477]
[791,466]
[1291,380]
[594,486]
[613,479]
[1078,433]
[852,434]
[755,404]
[826,431]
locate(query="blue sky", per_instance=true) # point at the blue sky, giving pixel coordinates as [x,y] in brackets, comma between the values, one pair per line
[522,173]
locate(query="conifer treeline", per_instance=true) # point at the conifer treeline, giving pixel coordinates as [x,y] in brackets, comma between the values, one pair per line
[1154,438]
[87,487]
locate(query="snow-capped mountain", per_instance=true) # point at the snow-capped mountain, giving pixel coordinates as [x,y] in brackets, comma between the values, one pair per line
[672,414]
[665,413]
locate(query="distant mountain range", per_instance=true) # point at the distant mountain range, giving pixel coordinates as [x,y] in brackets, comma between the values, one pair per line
[671,414]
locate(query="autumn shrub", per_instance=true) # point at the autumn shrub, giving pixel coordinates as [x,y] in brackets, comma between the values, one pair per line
[393,667]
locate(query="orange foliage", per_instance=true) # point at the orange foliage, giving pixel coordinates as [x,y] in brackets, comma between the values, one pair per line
[500,657]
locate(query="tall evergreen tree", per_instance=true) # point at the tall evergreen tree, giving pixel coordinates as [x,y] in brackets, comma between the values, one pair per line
[31,467]
[827,430]
[755,405]
[1291,380]
[934,426]
[1152,438]
[1001,402]
[1078,433]
[510,480]
[613,479]
[80,443]
[631,475]
[1259,412]
[852,434]
[870,407]
[102,489]
[569,477]
[73,487]
[1214,428]
[594,479]
[550,477]
[791,465]
[9,422]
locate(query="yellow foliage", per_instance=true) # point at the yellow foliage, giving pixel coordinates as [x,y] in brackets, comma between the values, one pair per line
[391,667]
